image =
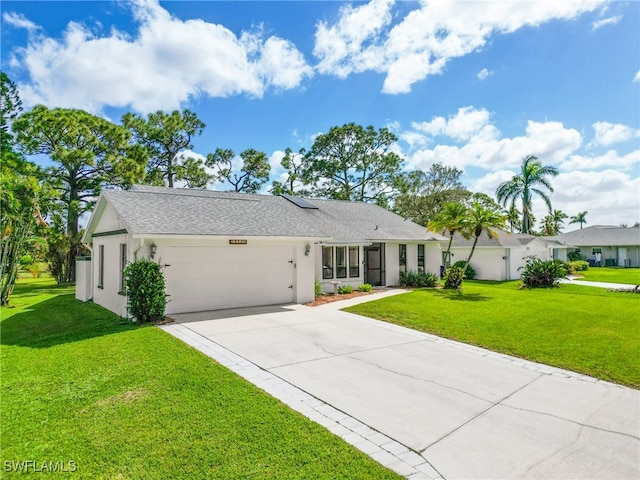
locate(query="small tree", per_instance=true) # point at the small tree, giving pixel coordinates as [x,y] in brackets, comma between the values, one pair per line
[146,296]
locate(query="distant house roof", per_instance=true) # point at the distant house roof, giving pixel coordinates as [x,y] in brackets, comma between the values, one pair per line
[602,236]
[147,210]
[504,239]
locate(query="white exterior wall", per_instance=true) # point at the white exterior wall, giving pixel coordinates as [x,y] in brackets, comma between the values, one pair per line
[107,294]
[392,263]
[631,254]
[432,257]
[83,279]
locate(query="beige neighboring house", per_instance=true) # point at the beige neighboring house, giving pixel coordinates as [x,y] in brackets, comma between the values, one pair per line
[602,245]
[498,258]
[226,250]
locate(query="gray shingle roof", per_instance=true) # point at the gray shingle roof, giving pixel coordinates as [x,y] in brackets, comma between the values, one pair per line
[602,235]
[149,210]
[505,239]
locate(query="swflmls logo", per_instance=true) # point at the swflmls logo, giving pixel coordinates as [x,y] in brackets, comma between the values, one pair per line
[26,466]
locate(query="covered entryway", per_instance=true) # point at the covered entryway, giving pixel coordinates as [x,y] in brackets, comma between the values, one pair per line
[374,272]
[211,278]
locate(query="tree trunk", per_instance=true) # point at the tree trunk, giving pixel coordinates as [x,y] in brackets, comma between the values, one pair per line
[473,248]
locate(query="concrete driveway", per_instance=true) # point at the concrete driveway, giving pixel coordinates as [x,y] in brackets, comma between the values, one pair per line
[467,412]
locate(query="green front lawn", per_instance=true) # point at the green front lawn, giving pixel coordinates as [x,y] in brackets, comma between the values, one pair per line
[630,276]
[587,330]
[117,400]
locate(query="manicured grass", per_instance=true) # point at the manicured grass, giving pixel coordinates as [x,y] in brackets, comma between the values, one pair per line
[584,329]
[630,276]
[81,385]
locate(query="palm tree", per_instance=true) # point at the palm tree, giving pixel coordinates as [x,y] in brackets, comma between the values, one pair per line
[513,218]
[522,186]
[449,219]
[579,218]
[481,219]
[558,219]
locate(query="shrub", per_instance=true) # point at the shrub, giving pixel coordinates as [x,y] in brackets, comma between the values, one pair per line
[144,283]
[317,286]
[579,265]
[26,260]
[538,273]
[417,279]
[345,289]
[365,287]
[470,274]
[453,277]
[573,256]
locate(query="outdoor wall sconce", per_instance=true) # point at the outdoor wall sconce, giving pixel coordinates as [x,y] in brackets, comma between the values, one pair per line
[153,248]
[307,250]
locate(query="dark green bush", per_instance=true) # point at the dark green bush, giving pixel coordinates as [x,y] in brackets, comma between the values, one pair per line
[417,279]
[538,273]
[470,274]
[453,277]
[574,256]
[144,283]
[365,287]
[345,289]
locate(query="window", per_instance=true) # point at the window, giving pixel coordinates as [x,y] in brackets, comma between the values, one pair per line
[596,250]
[341,262]
[354,262]
[403,258]
[327,262]
[101,266]
[123,265]
[421,258]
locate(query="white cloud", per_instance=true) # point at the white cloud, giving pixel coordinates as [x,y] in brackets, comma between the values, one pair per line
[484,73]
[609,133]
[606,21]
[610,159]
[19,21]
[636,78]
[167,62]
[475,141]
[422,42]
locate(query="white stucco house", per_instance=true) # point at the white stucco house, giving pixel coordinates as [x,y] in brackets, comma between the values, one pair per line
[224,250]
[499,258]
[602,245]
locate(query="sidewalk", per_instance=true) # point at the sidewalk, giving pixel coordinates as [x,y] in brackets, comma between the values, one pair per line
[611,286]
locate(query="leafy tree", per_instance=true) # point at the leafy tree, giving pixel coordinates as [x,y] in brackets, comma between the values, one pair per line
[424,194]
[88,153]
[449,220]
[353,163]
[253,173]
[533,175]
[580,218]
[293,165]
[481,219]
[19,193]
[166,136]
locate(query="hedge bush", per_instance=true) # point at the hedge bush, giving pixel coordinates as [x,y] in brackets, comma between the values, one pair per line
[470,274]
[417,279]
[365,287]
[145,288]
[577,266]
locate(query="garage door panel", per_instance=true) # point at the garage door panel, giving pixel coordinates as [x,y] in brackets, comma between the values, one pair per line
[207,278]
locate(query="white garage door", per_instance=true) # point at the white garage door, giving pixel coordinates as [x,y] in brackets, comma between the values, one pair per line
[209,278]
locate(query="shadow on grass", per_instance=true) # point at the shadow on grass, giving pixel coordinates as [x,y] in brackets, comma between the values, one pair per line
[59,320]
[460,296]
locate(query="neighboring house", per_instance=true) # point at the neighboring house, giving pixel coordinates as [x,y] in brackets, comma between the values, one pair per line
[602,245]
[224,250]
[498,258]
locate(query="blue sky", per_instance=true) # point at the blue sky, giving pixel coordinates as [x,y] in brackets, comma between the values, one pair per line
[475,84]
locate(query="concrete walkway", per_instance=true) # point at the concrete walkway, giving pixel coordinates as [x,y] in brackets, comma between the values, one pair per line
[421,405]
[610,286]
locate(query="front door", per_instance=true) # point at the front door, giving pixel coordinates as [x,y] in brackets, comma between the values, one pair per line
[374,264]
